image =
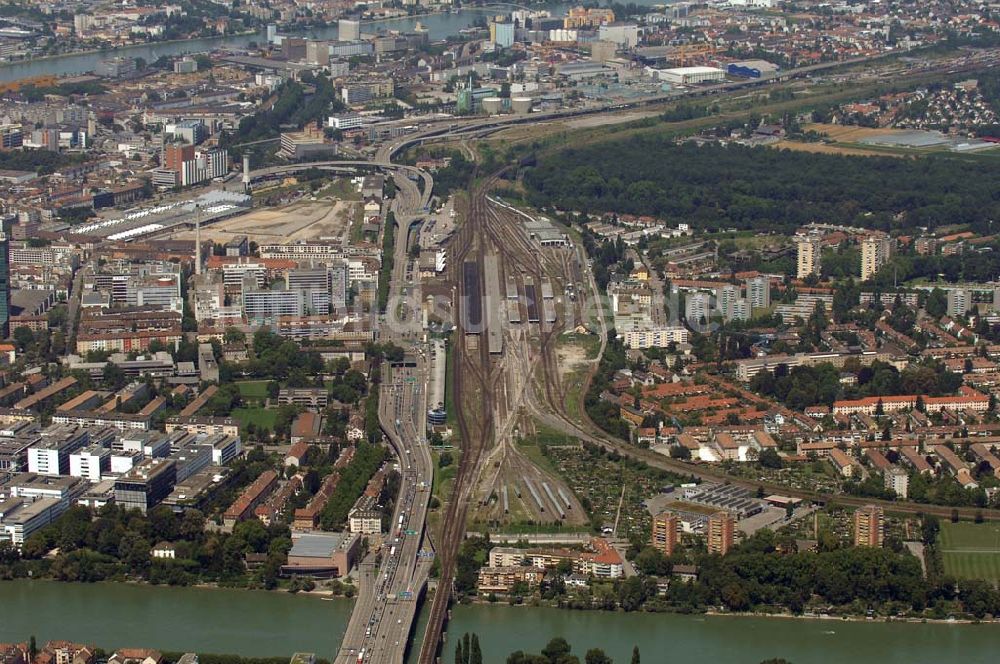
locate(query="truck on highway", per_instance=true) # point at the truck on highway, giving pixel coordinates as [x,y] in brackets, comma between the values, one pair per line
[361,656]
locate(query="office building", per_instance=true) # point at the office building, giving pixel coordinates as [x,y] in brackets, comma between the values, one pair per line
[345,121]
[625,35]
[90,462]
[185,65]
[502,33]
[50,455]
[268,305]
[315,282]
[4,284]
[146,485]
[29,486]
[308,142]
[115,67]
[19,519]
[317,52]
[809,250]
[191,132]
[348,29]
[720,533]
[182,165]
[293,49]
[869,526]
[759,292]
[189,459]
[875,251]
[666,527]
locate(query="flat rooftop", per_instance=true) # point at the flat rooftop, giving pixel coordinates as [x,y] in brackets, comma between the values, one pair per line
[317,545]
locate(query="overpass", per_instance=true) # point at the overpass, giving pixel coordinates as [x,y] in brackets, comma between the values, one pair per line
[416,198]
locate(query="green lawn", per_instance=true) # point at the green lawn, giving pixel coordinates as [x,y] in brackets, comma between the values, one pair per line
[252,389]
[260,417]
[971,550]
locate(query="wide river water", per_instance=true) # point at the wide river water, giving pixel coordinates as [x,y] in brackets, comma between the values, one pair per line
[262,623]
[439,26]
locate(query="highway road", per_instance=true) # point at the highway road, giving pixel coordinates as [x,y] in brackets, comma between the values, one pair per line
[414,199]
[392,582]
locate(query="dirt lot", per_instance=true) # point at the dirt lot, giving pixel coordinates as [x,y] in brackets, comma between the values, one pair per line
[847,133]
[842,134]
[309,220]
[603,120]
[825,148]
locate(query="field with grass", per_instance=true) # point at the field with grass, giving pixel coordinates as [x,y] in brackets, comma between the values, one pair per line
[261,417]
[971,550]
[252,389]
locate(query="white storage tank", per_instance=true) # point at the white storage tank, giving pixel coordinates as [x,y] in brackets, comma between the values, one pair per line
[520,105]
[492,105]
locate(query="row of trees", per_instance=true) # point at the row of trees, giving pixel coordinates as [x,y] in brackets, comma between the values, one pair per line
[559,651]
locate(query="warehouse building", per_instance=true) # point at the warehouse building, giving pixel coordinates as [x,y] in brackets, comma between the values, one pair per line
[692,75]
[752,69]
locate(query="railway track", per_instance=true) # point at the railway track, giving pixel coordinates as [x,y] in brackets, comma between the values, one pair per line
[475,390]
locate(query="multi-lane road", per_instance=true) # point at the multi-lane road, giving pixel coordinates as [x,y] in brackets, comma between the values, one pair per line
[391,585]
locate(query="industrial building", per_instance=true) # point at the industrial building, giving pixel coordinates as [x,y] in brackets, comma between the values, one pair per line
[692,75]
[752,69]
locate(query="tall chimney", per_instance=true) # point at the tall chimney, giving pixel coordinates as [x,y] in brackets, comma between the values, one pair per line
[197,239]
[246,173]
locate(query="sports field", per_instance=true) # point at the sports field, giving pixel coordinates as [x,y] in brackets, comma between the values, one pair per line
[252,389]
[971,550]
[261,417]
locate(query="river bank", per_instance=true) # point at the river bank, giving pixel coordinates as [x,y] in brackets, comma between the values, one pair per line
[912,620]
[261,624]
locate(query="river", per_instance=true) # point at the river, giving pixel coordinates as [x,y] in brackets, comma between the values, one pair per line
[276,624]
[439,26]
[108,615]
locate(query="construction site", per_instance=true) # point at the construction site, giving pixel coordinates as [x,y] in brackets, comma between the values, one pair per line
[303,220]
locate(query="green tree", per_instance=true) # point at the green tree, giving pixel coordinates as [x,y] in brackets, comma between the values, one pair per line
[769,458]
[556,649]
[937,303]
[476,655]
[23,337]
[597,656]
